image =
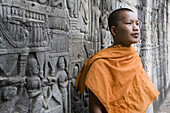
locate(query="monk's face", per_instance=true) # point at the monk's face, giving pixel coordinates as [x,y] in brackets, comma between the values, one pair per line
[127,30]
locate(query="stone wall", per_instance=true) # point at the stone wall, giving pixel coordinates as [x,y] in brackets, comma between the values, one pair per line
[154,45]
[44,43]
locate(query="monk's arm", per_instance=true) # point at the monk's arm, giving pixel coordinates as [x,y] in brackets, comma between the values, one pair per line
[95,106]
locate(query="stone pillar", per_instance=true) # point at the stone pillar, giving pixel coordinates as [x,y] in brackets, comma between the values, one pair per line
[146,50]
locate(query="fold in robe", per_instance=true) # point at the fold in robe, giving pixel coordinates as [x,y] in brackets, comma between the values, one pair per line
[116,76]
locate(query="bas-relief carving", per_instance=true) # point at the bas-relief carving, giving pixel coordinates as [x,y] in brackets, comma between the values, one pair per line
[88,50]
[10,96]
[73,6]
[53,3]
[47,95]
[58,23]
[79,103]
[8,64]
[107,4]
[59,90]
[59,42]
[77,55]
[84,17]
[106,38]
[76,47]
[95,25]
[20,37]
[26,38]
[10,91]
[33,86]
[18,30]
[79,25]
[63,82]
[76,61]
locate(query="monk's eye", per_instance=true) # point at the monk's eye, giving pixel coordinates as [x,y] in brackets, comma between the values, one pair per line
[128,23]
[137,23]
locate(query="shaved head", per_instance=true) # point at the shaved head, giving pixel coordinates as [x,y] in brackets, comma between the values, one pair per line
[114,16]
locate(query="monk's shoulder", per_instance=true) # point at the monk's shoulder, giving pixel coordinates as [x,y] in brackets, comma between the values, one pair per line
[99,56]
[102,53]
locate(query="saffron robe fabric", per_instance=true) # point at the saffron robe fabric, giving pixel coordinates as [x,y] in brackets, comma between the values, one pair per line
[116,76]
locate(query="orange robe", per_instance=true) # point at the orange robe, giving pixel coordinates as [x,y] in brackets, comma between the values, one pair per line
[116,76]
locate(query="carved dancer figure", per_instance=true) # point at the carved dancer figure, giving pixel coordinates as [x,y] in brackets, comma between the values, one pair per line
[63,82]
[95,29]
[84,16]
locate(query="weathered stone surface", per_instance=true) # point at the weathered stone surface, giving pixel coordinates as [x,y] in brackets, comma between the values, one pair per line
[165,107]
[44,44]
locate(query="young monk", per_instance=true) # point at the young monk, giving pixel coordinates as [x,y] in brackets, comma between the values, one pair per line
[115,75]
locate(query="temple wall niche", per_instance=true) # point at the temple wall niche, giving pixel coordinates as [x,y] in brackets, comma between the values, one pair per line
[44,44]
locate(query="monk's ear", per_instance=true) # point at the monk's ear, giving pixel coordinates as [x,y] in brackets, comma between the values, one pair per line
[113,30]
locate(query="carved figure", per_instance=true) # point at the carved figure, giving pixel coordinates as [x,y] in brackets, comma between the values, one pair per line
[63,82]
[95,29]
[76,100]
[70,4]
[84,15]
[105,33]
[56,97]
[33,86]
[79,102]
[73,7]
[96,14]
[73,80]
